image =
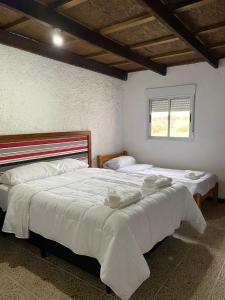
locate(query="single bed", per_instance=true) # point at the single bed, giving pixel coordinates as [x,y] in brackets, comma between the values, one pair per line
[68,208]
[206,186]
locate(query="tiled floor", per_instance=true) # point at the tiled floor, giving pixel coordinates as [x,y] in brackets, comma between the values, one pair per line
[185,266]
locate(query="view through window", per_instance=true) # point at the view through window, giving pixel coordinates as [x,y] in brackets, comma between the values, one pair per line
[170,117]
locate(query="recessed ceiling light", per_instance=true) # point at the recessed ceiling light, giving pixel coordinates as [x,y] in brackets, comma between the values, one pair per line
[57,38]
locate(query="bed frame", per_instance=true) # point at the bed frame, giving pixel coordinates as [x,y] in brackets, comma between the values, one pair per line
[101,159]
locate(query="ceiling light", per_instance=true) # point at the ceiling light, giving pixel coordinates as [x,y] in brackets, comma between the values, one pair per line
[57,38]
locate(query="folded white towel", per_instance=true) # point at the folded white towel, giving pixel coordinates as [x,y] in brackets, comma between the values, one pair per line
[121,199]
[163,181]
[149,181]
[130,198]
[156,181]
[194,175]
[112,202]
[151,177]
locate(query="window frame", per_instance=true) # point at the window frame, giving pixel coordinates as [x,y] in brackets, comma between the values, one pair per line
[180,92]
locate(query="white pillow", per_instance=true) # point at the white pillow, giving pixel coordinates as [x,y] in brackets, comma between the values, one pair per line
[135,168]
[69,164]
[28,172]
[119,162]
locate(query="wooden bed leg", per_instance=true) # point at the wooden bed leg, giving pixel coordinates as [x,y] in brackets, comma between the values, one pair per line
[198,199]
[108,289]
[215,192]
[43,252]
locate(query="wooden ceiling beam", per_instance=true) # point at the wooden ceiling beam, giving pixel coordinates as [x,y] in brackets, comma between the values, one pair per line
[172,38]
[68,4]
[175,7]
[210,28]
[172,54]
[127,24]
[97,54]
[61,5]
[137,46]
[159,41]
[23,43]
[217,45]
[38,11]
[186,51]
[185,5]
[164,40]
[15,23]
[173,23]
[121,63]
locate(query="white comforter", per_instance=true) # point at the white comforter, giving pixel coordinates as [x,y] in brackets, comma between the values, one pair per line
[69,209]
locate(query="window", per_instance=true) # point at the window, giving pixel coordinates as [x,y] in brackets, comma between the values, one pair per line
[171,116]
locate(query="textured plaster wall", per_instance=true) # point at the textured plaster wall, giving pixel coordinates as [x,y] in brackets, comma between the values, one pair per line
[41,95]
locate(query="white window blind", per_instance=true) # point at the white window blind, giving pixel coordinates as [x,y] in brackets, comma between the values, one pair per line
[171,111]
[180,104]
[160,105]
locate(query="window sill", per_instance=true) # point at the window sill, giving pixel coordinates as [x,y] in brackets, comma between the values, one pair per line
[171,139]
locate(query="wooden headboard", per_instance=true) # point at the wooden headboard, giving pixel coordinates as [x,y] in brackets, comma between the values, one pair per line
[101,159]
[24,148]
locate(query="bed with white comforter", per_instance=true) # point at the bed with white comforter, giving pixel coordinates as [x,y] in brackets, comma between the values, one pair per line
[69,209]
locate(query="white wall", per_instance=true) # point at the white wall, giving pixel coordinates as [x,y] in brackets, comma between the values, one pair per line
[41,95]
[207,150]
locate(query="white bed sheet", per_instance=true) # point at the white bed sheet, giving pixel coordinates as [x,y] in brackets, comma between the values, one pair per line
[4,191]
[200,186]
[69,209]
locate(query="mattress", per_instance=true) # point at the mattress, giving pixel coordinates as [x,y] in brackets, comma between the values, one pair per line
[200,186]
[4,190]
[69,209]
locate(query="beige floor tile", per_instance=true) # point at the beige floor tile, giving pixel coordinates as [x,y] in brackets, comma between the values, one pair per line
[26,245]
[166,294]
[91,279]
[196,275]
[218,292]
[29,271]
[146,291]
[10,290]
[222,273]
[63,264]
[83,292]
[166,257]
[186,231]
[214,239]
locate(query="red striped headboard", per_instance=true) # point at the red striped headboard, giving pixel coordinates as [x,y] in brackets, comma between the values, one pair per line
[22,148]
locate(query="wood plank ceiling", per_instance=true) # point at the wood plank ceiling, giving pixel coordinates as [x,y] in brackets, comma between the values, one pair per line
[115,37]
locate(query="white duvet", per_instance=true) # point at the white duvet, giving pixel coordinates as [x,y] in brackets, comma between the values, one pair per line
[69,209]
